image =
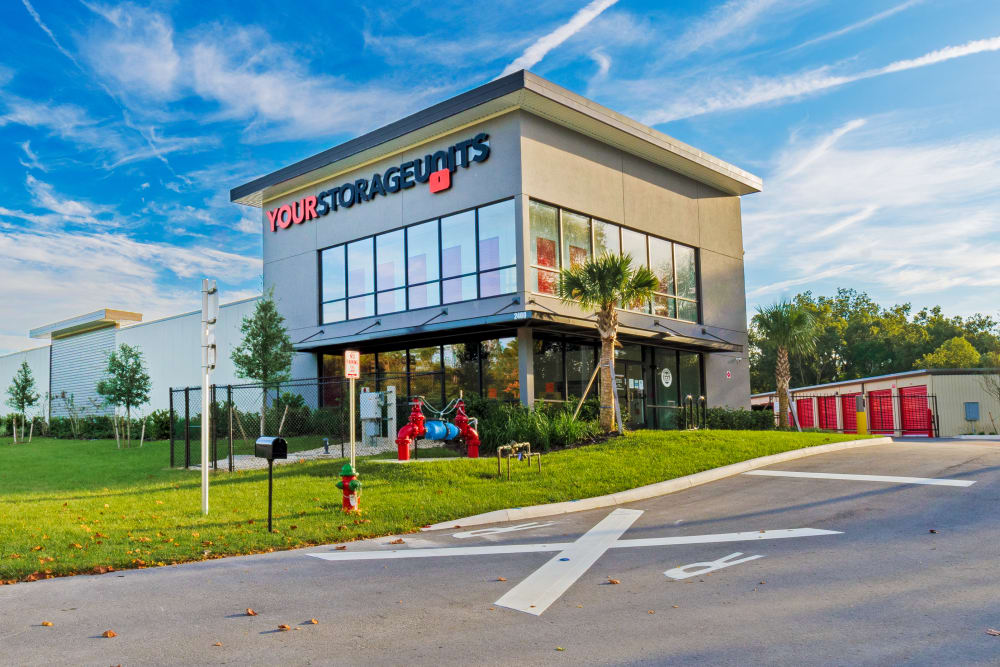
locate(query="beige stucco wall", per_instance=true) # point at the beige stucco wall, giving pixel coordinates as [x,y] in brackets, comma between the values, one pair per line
[953,391]
[563,167]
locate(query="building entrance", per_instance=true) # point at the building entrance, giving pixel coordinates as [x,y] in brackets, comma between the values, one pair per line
[631,387]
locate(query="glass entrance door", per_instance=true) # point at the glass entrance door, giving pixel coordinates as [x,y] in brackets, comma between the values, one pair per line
[631,387]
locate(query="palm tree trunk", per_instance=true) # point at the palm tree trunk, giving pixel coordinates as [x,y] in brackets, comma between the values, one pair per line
[607,415]
[782,377]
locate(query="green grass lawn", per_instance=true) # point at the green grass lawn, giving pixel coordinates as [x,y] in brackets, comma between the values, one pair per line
[80,506]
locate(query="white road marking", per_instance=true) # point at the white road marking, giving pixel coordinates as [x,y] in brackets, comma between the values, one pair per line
[495,549]
[683,572]
[863,478]
[546,584]
[482,532]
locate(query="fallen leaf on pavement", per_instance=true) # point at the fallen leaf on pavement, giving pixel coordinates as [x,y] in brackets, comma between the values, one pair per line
[933,531]
[251,612]
[341,548]
[109,634]
[675,606]
[397,541]
[47,624]
[217,644]
[501,578]
[284,627]
[312,621]
[613,581]
[560,648]
[993,633]
[650,612]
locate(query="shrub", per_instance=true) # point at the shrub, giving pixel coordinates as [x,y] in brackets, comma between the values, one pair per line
[547,426]
[741,419]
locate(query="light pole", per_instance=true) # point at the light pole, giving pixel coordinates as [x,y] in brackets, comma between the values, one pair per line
[209,314]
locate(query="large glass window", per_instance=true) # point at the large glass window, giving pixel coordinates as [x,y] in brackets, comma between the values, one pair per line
[575,239]
[439,261]
[544,243]
[607,239]
[561,238]
[500,368]
[549,376]
[581,359]
[461,370]
[425,374]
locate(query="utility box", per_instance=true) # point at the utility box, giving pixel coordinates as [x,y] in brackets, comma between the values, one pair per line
[972,412]
[271,448]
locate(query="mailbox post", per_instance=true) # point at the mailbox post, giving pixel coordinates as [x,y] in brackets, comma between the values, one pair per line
[270,449]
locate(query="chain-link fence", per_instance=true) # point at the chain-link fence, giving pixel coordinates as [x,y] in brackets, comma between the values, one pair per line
[312,415]
[905,412]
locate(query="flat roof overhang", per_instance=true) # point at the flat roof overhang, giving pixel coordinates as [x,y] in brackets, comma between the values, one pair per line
[583,327]
[520,90]
[99,319]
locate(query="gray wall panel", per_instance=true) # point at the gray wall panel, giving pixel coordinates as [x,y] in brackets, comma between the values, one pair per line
[78,364]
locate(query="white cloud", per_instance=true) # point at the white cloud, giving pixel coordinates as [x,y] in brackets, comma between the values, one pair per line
[32,161]
[862,207]
[135,48]
[541,47]
[733,17]
[864,23]
[45,197]
[726,95]
[53,274]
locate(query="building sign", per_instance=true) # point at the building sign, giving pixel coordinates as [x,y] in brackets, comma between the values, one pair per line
[435,169]
[352,364]
[666,377]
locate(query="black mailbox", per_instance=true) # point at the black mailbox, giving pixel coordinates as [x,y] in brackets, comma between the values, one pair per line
[271,448]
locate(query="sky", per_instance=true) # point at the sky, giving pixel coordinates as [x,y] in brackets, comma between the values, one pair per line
[124,126]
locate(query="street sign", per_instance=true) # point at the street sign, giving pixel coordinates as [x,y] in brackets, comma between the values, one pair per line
[352,364]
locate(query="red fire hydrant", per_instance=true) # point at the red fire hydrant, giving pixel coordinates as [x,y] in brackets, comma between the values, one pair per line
[351,487]
[408,434]
[469,435]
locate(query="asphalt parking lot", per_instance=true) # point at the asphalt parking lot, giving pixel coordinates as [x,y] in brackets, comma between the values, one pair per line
[838,562]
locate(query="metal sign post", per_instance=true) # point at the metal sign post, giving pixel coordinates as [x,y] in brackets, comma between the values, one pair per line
[209,315]
[352,371]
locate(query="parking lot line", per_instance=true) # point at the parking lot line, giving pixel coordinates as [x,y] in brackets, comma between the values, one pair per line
[863,478]
[544,586]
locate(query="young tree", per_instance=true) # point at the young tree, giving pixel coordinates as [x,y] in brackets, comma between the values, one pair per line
[21,394]
[126,383]
[604,284]
[790,328]
[954,353]
[265,353]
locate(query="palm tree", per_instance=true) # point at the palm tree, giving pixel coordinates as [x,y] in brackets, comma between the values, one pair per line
[792,329]
[604,284]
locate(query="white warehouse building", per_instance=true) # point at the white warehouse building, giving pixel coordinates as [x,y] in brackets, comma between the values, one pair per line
[70,365]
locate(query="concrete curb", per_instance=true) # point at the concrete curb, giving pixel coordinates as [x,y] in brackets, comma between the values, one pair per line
[651,490]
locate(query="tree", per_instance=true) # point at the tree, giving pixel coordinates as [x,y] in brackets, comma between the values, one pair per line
[21,394]
[792,330]
[956,352]
[604,284]
[126,383]
[265,353]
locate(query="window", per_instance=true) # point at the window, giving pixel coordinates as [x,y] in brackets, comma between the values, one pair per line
[575,239]
[461,369]
[544,244]
[425,374]
[561,238]
[456,258]
[549,377]
[500,368]
[581,360]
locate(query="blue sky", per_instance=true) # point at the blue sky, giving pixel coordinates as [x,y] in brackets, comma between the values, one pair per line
[123,127]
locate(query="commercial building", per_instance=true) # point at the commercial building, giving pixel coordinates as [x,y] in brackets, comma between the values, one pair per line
[937,401]
[67,369]
[433,245]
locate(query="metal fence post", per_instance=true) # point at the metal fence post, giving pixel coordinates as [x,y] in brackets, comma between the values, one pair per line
[187,427]
[229,402]
[214,434]
[171,427]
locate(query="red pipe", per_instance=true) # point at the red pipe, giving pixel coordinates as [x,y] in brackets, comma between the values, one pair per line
[413,429]
[469,435]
